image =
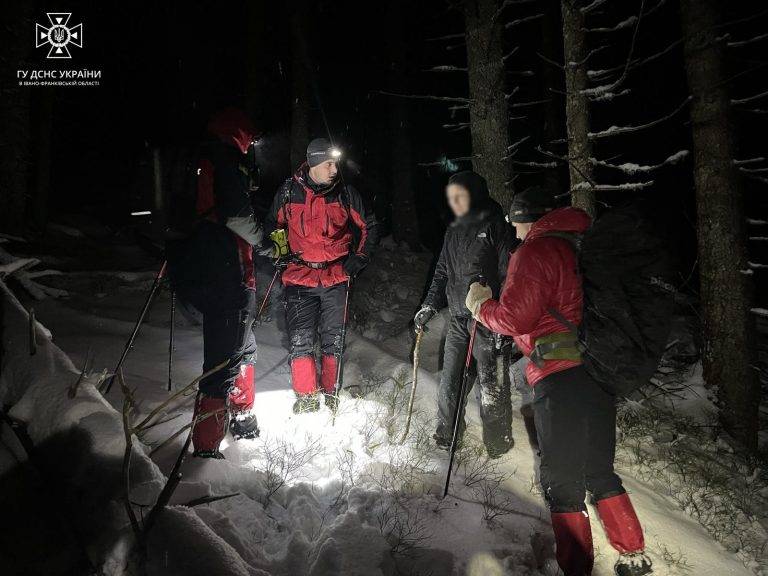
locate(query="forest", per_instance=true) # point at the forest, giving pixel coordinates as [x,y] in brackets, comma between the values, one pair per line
[452,287]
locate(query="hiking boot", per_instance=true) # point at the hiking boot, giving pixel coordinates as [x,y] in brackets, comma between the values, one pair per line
[331,402]
[637,564]
[306,403]
[244,427]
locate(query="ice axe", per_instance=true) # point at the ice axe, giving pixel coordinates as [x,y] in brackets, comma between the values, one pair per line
[460,400]
[340,361]
[416,346]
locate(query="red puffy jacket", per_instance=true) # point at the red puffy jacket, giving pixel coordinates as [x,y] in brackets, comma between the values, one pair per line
[543,273]
[325,224]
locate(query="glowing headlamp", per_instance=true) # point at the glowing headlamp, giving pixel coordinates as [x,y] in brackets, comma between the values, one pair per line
[335,153]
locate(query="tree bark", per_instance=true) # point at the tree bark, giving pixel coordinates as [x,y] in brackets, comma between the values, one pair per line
[725,288]
[577,106]
[488,104]
[15,119]
[405,226]
[300,80]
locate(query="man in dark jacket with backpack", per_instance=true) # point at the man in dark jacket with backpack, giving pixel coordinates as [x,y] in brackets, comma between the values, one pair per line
[575,417]
[330,236]
[211,268]
[476,244]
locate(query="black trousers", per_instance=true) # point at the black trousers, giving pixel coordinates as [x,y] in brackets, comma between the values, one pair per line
[228,315]
[310,311]
[576,428]
[490,368]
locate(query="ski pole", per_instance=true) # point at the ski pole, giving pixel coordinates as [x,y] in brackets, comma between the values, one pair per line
[107,384]
[170,340]
[419,334]
[340,362]
[460,400]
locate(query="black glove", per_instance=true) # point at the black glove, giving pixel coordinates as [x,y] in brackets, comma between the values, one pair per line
[354,264]
[424,315]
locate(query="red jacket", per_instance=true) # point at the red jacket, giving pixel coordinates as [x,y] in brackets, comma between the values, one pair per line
[325,224]
[542,274]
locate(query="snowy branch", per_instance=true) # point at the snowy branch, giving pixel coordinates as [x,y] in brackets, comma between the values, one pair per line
[446,37]
[590,7]
[427,97]
[609,96]
[19,270]
[632,169]
[627,186]
[624,24]
[446,69]
[519,21]
[616,130]
[739,43]
[754,160]
[750,98]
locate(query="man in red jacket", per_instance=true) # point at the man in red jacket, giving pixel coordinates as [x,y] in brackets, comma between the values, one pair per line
[575,418]
[331,236]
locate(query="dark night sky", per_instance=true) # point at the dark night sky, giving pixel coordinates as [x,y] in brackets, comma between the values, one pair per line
[167,65]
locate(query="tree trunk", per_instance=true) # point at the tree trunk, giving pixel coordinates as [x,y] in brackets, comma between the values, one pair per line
[725,289]
[577,106]
[550,84]
[15,118]
[405,226]
[488,103]
[300,81]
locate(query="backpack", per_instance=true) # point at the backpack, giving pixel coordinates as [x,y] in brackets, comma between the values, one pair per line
[628,299]
[180,172]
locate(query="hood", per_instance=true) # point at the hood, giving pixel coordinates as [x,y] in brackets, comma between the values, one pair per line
[475,185]
[233,126]
[488,210]
[568,219]
[302,177]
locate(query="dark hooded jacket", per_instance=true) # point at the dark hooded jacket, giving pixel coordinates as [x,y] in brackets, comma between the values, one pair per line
[476,244]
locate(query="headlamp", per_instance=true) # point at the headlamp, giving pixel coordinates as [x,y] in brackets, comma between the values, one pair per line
[335,153]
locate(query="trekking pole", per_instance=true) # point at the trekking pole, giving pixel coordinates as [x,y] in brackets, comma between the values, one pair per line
[340,363]
[170,340]
[268,292]
[460,400]
[419,334]
[107,384]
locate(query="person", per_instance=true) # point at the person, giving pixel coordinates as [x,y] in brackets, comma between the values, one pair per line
[330,235]
[212,270]
[575,417]
[476,244]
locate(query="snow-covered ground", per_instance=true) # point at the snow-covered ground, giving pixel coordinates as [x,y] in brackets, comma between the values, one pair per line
[314,497]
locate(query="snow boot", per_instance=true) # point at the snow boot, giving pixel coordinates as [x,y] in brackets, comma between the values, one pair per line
[306,403]
[211,418]
[621,524]
[637,564]
[244,427]
[573,543]
[331,401]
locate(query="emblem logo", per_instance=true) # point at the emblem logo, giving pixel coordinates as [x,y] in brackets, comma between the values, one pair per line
[59,35]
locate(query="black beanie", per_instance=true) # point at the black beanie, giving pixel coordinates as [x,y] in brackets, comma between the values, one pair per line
[319,151]
[473,183]
[531,204]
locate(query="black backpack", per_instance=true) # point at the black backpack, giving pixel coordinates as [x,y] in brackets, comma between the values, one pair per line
[180,173]
[628,299]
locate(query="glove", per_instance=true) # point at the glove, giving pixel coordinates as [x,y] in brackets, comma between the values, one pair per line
[476,296]
[354,264]
[424,315]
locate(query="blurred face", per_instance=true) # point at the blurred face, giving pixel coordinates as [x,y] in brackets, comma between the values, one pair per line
[324,173]
[522,229]
[458,199]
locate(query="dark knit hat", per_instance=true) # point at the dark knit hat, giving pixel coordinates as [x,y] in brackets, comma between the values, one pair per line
[473,183]
[531,204]
[321,150]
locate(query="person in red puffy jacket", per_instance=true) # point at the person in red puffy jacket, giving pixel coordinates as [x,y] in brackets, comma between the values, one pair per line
[331,235]
[575,417]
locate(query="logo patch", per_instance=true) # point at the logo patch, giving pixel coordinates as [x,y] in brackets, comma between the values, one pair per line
[59,35]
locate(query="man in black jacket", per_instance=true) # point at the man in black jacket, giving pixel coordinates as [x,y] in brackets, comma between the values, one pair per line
[476,243]
[211,268]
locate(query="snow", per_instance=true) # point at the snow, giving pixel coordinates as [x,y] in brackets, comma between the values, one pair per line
[312,497]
